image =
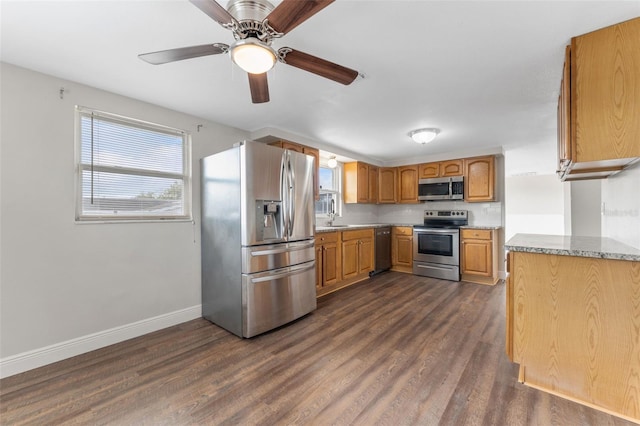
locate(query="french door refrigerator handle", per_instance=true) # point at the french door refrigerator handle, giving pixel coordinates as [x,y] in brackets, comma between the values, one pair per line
[284,193]
[292,197]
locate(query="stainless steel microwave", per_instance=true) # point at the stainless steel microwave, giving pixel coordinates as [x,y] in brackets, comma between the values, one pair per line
[439,189]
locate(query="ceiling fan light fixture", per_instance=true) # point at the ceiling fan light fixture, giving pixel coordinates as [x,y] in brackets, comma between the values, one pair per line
[253,56]
[424,136]
[332,162]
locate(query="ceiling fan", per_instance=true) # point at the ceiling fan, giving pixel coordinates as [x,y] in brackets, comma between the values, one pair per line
[255,24]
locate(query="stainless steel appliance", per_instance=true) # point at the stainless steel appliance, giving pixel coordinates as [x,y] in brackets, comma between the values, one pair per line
[439,189]
[383,249]
[258,220]
[436,244]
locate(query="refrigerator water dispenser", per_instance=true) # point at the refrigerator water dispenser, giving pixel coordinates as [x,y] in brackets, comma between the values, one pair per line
[268,220]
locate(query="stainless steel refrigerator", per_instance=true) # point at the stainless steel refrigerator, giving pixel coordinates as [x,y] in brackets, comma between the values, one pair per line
[258,257]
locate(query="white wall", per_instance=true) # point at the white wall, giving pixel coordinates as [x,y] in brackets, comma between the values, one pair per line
[585,208]
[59,280]
[621,198]
[534,196]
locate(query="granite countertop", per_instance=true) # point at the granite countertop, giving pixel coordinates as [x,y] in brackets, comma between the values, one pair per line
[382,225]
[481,227]
[604,248]
[358,226]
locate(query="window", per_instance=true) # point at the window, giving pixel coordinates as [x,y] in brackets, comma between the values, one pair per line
[128,169]
[330,185]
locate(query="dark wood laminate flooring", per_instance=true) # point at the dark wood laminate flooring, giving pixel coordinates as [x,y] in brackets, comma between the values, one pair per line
[395,350]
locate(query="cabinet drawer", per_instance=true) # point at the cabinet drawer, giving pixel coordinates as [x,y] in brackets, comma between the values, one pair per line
[326,237]
[358,234]
[402,230]
[476,234]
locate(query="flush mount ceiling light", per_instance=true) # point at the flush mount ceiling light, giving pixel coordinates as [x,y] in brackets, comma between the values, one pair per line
[253,56]
[332,163]
[424,136]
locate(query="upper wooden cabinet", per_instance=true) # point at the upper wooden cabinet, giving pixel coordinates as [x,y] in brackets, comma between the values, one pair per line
[479,176]
[373,184]
[387,185]
[408,184]
[599,103]
[357,183]
[440,169]
[315,153]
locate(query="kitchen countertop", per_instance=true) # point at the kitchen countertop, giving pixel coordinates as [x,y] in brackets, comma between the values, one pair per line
[382,225]
[481,227]
[603,248]
[359,226]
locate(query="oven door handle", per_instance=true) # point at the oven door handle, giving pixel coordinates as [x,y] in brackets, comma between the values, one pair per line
[436,231]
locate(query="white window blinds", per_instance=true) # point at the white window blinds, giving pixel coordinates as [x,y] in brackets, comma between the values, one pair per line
[130,170]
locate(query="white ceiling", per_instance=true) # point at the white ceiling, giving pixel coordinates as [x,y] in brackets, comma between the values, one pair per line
[485,73]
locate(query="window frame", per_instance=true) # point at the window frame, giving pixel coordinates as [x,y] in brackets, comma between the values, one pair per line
[337,171]
[80,167]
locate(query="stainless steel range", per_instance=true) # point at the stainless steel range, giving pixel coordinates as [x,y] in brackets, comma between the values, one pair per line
[436,244]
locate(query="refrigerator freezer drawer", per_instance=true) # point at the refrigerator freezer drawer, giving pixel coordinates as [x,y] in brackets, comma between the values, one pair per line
[274,298]
[275,256]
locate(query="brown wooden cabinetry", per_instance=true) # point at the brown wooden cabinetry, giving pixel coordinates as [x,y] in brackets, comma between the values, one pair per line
[357,183]
[408,184]
[479,175]
[479,255]
[572,325]
[598,119]
[402,249]
[373,184]
[328,268]
[357,253]
[315,153]
[440,169]
[387,185]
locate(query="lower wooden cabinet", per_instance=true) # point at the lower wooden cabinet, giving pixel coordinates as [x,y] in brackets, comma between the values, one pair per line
[479,255]
[573,325]
[402,249]
[343,258]
[357,253]
[327,259]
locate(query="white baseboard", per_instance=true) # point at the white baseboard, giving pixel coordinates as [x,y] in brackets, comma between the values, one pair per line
[38,357]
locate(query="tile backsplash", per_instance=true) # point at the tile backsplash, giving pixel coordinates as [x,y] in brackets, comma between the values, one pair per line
[480,214]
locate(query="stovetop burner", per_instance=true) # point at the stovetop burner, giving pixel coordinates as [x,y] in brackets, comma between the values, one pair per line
[447,219]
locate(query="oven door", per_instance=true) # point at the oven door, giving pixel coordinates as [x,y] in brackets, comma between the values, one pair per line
[437,246]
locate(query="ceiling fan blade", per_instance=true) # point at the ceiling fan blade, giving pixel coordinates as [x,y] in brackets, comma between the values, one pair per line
[291,13]
[318,66]
[172,55]
[215,11]
[259,88]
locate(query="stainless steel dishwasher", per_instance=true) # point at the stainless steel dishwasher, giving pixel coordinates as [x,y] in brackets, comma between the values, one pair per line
[383,250]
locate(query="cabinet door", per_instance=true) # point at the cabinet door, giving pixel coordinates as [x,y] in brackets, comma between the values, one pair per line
[373,184]
[479,176]
[404,251]
[429,170]
[349,259]
[365,255]
[319,267]
[330,268]
[292,146]
[451,168]
[387,185]
[363,183]
[408,185]
[564,114]
[477,257]
[605,89]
